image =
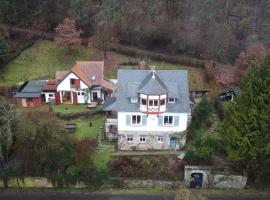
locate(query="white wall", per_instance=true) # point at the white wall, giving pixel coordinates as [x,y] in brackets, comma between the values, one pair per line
[47,98]
[65,84]
[152,123]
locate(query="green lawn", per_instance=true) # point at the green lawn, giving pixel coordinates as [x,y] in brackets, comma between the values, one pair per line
[69,108]
[83,129]
[102,157]
[41,61]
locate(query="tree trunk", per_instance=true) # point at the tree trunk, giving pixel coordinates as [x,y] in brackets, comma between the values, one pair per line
[5,182]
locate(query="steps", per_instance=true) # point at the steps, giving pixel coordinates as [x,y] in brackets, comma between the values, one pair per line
[214,125]
[99,136]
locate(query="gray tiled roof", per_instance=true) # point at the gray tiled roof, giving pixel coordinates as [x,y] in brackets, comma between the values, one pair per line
[131,82]
[31,89]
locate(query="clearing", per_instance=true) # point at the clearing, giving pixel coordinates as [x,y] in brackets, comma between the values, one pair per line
[44,58]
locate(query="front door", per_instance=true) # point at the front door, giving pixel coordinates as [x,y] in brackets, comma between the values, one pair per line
[95,96]
[173,142]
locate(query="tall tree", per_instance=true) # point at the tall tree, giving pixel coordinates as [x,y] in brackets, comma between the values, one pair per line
[8,121]
[3,49]
[67,35]
[247,122]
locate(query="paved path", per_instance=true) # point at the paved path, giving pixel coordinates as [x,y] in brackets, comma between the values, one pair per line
[70,196]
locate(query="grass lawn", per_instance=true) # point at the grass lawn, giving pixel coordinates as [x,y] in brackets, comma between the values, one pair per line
[69,108]
[83,129]
[41,61]
[44,58]
[102,157]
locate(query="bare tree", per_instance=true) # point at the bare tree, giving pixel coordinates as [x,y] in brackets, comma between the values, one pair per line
[67,35]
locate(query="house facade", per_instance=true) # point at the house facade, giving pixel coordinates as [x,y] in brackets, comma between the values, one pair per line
[30,94]
[83,84]
[150,111]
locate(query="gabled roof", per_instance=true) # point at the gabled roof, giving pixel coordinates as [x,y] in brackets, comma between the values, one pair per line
[132,82]
[30,89]
[153,85]
[90,72]
[59,75]
[50,86]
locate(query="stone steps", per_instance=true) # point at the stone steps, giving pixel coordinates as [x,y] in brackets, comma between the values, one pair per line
[214,125]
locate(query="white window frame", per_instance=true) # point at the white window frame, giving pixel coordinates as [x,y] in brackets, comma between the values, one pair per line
[168,124]
[152,100]
[164,102]
[133,99]
[136,124]
[51,95]
[142,138]
[130,138]
[160,139]
[142,99]
[169,100]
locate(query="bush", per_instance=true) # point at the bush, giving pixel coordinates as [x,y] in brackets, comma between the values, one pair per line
[202,114]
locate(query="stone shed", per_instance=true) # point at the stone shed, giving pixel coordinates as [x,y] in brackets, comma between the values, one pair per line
[213,179]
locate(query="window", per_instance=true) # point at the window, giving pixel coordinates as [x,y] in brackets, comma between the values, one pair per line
[82,93]
[130,138]
[171,100]
[72,81]
[168,120]
[133,100]
[142,139]
[153,102]
[136,119]
[160,139]
[143,102]
[51,95]
[79,93]
[162,102]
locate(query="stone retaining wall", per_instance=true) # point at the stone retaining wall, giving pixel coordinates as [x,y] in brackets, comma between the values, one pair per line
[132,183]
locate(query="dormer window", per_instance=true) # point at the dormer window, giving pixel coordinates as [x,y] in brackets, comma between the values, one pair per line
[143,102]
[133,99]
[162,102]
[171,100]
[153,103]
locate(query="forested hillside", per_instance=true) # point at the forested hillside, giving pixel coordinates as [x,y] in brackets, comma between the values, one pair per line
[201,28]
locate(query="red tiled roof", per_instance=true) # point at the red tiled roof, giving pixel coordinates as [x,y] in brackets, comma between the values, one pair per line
[50,86]
[59,75]
[91,72]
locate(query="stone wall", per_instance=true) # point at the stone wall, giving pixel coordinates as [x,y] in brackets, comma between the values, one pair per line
[229,181]
[212,179]
[133,183]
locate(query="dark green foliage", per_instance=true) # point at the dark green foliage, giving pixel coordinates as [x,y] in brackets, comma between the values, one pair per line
[247,123]
[201,116]
[202,146]
[4,50]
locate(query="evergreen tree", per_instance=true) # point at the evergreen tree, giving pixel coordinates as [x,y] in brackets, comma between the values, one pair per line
[247,123]
[3,49]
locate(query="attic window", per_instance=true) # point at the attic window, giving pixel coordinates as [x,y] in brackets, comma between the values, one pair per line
[171,100]
[133,99]
[72,81]
[162,102]
[143,102]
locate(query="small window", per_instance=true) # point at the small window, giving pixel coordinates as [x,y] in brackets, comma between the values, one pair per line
[72,81]
[51,95]
[82,93]
[136,119]
[160,139]
[130,138]
[79,93]
[153,102]
[143,102]
[171,100]
[142,139]
[168,120]
[133,100]
[162,102]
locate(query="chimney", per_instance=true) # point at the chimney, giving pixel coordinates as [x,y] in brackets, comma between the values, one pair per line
[141,65]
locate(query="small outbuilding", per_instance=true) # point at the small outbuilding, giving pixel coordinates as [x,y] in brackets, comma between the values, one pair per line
[30,94]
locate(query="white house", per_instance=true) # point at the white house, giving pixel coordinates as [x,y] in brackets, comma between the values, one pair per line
[84,83]
[150,110]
